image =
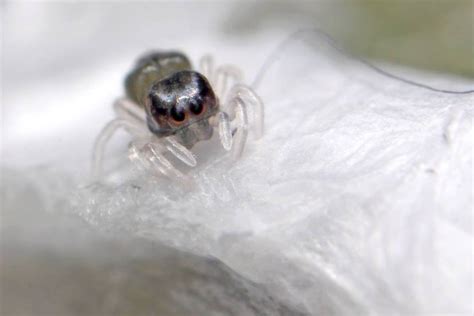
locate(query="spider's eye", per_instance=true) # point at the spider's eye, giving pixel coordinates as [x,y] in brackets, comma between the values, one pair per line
[155,107]
[196,107]
[177,114]
[156,111]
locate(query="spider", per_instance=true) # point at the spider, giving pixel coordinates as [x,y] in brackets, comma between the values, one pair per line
[169,107]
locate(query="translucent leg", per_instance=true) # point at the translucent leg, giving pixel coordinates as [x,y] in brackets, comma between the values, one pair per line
[136,156]
[128,110]
[159,160]
[240,136]
[224,75]
[206,67]
[181,152]
[252,99]
[150,157]
[103,138]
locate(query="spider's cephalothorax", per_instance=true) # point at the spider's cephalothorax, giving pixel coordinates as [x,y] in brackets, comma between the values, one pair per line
[170,107]
[182,105]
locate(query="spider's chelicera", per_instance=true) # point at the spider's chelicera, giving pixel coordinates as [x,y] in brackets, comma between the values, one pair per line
[169,108]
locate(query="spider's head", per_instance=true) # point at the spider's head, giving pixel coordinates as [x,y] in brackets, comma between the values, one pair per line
[182,104]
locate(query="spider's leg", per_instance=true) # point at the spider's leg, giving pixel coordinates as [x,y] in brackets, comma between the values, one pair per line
[241,131]
[253,100]
[155,157]
[223,76]
[128,110]
[137,156]
[206,67]
[145,158]
[103,138]
[181,152]
[241,102]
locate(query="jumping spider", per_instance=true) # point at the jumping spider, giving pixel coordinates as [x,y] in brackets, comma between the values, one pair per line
[169,108]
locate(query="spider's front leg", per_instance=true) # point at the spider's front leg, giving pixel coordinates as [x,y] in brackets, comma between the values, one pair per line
[253,104]
[233,120]
[148,154]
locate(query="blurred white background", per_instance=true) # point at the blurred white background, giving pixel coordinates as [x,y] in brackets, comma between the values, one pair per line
[357,198]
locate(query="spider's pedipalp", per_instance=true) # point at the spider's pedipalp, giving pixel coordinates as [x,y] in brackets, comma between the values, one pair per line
[225,132]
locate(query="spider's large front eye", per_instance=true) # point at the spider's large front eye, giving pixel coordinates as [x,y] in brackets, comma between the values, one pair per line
[155,108]
[155,111]
[196,107]
[177,114]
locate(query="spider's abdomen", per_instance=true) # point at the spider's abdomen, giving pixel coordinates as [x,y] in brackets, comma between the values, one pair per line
[150,69]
